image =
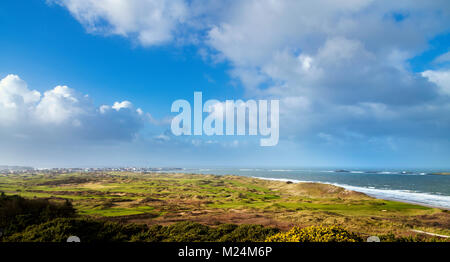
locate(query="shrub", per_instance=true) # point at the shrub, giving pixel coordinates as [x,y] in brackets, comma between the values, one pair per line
[17,213]
[315,234]
[89,230]
[187,232]
[248,233]
[416,238]
[194,232]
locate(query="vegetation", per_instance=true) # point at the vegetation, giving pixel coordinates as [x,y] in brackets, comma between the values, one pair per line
[39,220]
[416,238]
[195,232]
[222,208]
[90,230]
[316,234]
[17,213]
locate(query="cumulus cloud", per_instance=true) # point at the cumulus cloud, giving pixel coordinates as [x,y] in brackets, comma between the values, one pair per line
[328,47]
[60,105]
[440,78]
[347,62]
[62,114]
[339,67]
[150,22]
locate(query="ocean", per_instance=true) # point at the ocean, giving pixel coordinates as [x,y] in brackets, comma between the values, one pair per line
[414,186]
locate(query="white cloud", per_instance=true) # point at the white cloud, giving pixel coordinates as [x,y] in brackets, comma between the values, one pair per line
[124,104]
[63,114]
[331,63]
[16,100]
[338,70]
[328,48]
[151,22]
[59,105]
[440,78]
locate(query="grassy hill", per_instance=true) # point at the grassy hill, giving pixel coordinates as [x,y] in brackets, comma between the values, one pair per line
[165,199]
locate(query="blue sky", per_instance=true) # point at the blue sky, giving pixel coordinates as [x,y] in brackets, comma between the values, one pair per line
[360,83]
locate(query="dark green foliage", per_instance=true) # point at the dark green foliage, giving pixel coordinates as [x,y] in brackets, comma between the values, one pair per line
[155,233]
[416,238]
[179,232]
[188,232]
[90,230]
[17,213]
[249,233]
[40,220]
[194,232]
[223,230]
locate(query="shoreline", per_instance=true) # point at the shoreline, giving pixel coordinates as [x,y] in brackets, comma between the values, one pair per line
[367,192]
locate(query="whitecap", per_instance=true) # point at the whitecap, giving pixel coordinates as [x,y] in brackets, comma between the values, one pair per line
[440,201]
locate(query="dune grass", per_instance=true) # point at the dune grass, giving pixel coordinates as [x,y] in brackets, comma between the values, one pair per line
[211,199]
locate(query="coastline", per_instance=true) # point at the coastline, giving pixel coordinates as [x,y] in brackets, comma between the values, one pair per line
[440,174]
[373,193]
[169,198]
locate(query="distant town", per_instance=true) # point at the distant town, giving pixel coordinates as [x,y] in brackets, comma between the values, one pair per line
[65,170]
[25,169]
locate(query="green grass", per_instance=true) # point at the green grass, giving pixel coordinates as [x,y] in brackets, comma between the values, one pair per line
[365,208]
[114,212]
[118,194]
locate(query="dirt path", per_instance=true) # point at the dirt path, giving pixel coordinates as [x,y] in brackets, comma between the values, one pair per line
[430,234]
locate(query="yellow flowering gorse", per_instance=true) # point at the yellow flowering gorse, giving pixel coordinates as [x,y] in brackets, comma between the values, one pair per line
[315,234]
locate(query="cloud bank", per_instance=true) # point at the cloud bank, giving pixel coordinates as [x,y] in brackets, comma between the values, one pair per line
[341,70]
[332,63]
[63,115]
[150,22]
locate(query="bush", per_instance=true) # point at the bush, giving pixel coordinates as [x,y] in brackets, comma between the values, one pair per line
[315,234]
[89,230]
[17,213]
[249,233]
[187,232]
[416,238]
[194,232]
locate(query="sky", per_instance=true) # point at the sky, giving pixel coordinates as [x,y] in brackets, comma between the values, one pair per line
[361,83]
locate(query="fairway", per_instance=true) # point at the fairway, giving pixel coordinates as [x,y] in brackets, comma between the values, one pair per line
[166,198]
